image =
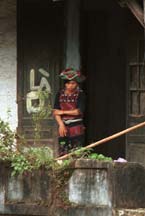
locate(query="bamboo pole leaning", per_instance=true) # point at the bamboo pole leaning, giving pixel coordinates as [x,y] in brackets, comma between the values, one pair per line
[105,140]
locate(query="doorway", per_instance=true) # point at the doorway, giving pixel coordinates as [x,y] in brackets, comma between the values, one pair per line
[103,54]
[40,48]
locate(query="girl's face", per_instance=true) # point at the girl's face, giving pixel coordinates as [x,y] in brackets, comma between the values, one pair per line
[71,85]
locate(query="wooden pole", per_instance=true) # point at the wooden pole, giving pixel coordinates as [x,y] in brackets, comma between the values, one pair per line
[105,140]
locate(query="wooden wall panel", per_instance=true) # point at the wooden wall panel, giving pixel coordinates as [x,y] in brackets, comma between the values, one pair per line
[41,48]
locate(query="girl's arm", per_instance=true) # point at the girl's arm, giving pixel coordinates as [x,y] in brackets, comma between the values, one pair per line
[74,112]
[62,129]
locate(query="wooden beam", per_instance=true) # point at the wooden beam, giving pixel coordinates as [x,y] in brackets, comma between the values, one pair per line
[137,11]
[135,8]
[144,9]
[144,28]
[105,139]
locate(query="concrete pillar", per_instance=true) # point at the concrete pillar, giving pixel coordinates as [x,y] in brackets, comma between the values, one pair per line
[8,74]
[72,37]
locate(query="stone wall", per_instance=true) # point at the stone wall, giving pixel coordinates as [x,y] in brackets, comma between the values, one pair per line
[94,188]
[8,62]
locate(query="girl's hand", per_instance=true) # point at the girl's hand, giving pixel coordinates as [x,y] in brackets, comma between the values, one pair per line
[62,130]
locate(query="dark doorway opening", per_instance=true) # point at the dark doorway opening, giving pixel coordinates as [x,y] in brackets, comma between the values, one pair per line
[103,54]
[40,51]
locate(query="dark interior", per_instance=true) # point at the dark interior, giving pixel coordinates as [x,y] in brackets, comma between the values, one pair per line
[103,48]
[103,54]
[40,45]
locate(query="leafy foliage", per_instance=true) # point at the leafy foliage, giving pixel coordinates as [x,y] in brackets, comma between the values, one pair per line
[89,154]
[30,158]
[101,157]
[19,163]
[7,140]
[44,112]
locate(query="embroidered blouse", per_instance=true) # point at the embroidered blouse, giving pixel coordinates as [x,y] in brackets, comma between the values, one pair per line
[76,100]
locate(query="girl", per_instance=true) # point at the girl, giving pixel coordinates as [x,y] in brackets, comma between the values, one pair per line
[68,111]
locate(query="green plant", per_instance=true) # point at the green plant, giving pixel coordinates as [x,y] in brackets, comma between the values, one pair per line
[26,159]
[81,152]
[31,159]
[39,156]
[88,153]
[44,113]
[99,157]
[7,140]
[19,163]
[21,158]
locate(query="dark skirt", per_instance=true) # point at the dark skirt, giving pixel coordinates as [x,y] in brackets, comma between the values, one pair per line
[74,138]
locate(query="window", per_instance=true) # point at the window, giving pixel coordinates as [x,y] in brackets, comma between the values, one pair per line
[137,79]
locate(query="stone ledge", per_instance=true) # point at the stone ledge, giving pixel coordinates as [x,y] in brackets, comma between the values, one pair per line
[96,164]
[23,209]
[85,211]
[130,212]
[93,164]
[116,186]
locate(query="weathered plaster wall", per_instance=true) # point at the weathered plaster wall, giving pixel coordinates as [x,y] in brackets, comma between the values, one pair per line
[8,62]
[94,188]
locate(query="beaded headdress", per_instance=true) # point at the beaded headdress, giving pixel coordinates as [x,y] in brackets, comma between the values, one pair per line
[72,74]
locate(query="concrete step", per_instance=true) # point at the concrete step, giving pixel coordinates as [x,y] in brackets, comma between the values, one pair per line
[84,211]
[130,212]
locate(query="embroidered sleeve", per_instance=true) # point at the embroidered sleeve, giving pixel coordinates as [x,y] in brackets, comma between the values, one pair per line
[81,102]
[56,102]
